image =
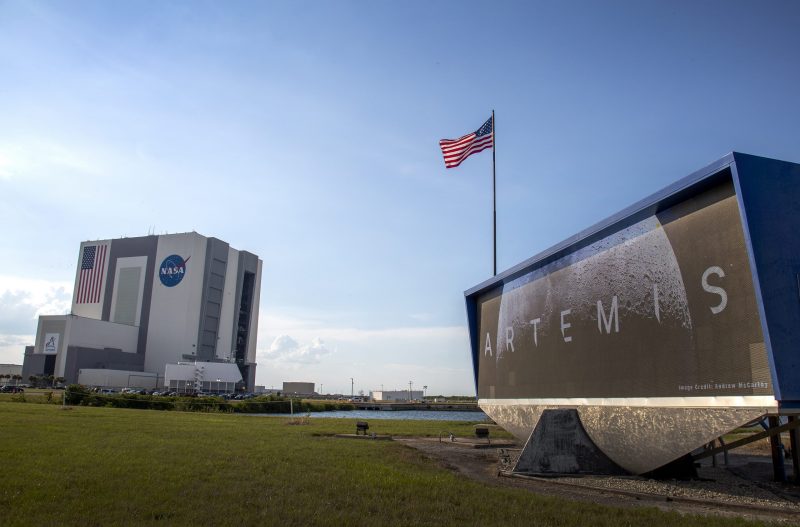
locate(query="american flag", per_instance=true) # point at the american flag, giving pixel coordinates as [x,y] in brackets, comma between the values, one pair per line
[90,281]
[457,150]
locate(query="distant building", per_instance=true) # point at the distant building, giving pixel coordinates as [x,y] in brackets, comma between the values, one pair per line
[118,378]
[141,304]
[210,377]
[10,369]
[263,390]
[396,396]
[298,388]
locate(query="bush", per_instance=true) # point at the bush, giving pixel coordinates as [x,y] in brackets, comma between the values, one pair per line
[75,394]
[261,406]
[78,395]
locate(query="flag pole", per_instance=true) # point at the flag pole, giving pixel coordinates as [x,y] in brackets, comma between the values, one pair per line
[494,196]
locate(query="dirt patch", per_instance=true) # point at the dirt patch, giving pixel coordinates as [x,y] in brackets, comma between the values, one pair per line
[742,489]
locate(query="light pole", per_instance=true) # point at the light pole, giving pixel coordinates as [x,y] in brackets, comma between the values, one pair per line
[351,387]
[410,393]
[424,389]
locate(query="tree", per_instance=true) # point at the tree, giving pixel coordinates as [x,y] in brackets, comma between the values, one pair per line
[17,378]
[3,376]
[60,380]
[34,379]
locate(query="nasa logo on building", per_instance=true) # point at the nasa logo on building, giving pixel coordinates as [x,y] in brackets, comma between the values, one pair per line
[172,270]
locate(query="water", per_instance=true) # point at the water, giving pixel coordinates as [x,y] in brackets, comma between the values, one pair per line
[413,415]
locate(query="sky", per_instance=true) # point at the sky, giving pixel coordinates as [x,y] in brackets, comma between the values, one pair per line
[307,133]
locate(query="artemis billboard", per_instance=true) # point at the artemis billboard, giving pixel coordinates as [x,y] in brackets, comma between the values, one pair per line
[652,318]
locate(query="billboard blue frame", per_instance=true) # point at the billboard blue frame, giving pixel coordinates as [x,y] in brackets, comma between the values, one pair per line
[768,197]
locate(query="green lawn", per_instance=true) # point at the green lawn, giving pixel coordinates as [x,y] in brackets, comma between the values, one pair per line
[34,395]
[103,466]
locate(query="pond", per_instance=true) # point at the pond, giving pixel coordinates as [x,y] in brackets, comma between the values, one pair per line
[415,415]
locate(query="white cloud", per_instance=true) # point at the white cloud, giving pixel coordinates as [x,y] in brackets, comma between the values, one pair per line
[42,158]
[309,328]
[23,300]
[12,348]
[390,357]
[282,345]
[286,349]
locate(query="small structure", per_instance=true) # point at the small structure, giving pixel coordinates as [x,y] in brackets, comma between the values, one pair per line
[397,395]
[10,373]
[107,378]
[298,388]
[481,432]
[362,427]
[210,377]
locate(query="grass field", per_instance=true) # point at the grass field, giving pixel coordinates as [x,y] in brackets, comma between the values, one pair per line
[34,395]
[103,466]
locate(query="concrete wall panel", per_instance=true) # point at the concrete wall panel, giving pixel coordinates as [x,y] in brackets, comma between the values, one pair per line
[175,311]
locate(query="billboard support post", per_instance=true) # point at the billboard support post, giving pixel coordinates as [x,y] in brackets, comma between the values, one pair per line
[778,469]
[794,443]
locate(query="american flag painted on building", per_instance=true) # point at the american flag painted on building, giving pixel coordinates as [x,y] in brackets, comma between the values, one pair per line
[457,150]
[90,281]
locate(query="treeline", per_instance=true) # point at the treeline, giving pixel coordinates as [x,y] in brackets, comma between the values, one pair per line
[77,395]
[452,398]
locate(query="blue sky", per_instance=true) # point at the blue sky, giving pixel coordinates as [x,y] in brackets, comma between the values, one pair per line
[306,132]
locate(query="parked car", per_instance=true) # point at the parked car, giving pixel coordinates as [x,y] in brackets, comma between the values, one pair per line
[11,389]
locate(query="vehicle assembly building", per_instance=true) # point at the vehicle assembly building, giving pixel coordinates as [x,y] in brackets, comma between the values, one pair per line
[142,305]
[655,331]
